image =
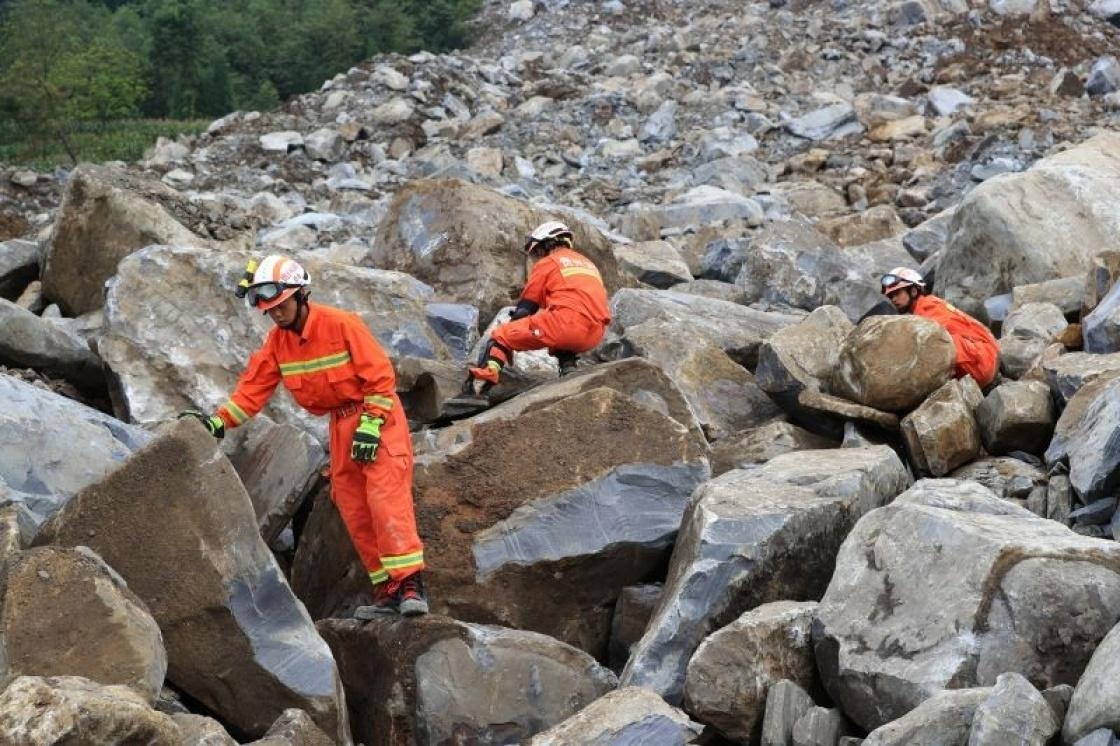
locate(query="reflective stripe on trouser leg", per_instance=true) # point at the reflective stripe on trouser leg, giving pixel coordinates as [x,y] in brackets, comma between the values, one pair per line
[348,492]
[389,497]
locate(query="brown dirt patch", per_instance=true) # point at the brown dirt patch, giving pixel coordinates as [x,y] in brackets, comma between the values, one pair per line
[13,226]
[1050,37]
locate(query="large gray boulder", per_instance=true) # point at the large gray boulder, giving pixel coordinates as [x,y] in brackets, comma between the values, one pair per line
[465,241]
[64,612]
[732,671]
[1067,374]
[760,444]
[1096,699]
[893,363]
[438,680]
[237,640]
[945,719]
[1027,331]
[1015,712]
[1017,416]
[30,341]
[654,263]
[1101,328]
[755,536]
[106,214]
[19,265]
[71,709]
[907,615]
[630,715]
[42,465]
[942,433]
[738,330]
[1085,436]
[177,338]
[1037,225]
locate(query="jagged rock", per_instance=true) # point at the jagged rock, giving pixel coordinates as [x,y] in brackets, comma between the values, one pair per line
[893,363]
[945,100]
[1099,737]
[943,719]
[876,224]
[71,709]
[1015,712]
[830,122]
[1038,225]
[209,581]
[792,264]
[27,340]
[1095,513]
[465,241]
[63,612]
[1026,332]
[1068,374]
[737,329]
[750,537]
[325,145]
[1094,703]
[294,728]
[942,433]
[107,214]
[654,263]
[1017,416]
[1067,293]
[1009,478]
[278,142]
[810,198]
[786,703]
[197,730]
[819,726]
[928,238]
[39,466]
[802,357]
[893,632]
[17,527]
[438,680]
[760,444]
[1104,76]
[723,395]
[19,265]
[627,715]
[1104,271]
[1101,328]
[731,672]
[162,318]
[1084,436]
[702,205]
[632,613]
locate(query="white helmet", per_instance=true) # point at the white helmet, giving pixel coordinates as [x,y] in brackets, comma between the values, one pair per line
[546,235]
[276,279]
[901,277]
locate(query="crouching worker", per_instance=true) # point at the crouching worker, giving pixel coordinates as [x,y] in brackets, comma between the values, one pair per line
[331,363]
[563,308]
[977,348]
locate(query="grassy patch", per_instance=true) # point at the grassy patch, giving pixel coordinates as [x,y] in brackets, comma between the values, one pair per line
[123,140]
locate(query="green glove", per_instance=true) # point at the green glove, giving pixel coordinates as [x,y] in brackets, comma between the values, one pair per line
[366,438]
[213,423]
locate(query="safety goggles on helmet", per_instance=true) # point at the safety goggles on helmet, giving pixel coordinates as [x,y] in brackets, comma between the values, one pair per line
[264,292]
[887,280]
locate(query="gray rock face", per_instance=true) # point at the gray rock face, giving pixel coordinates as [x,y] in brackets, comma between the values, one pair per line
[465,241]
[1038,225]
[1101,328]
[893,362]
[733,669]
[737,329]
[654,263]
[210,582]
[760,444]
[1017,416]
[1015,712]
[1008,478]
[163,318]
[628,715]
[942,433]
[71,709]
[819,726]
[924,616]
[294,728]
[1104,76]
[105,216]
[835,121]
[1099,737]
[19,265]
[700,206]
[1067,374]
[786,703]
[39,465]
[325,145]
[550,551]
[65,613]
[755,536]
[632,613]
[945,719]
[1067,293]
[199,730]
[1026,332]
[1086,436]
[437,680]
[1094,703]
[27,340]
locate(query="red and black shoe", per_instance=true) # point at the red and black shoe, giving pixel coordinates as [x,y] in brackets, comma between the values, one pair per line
[384,602]
[411,598]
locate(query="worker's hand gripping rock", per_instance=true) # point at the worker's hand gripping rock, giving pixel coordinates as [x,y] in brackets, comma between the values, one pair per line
[213,422]
[367,437]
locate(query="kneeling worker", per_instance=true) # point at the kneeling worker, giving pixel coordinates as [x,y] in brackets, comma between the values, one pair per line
[331,364]
[563,308]
[977,348]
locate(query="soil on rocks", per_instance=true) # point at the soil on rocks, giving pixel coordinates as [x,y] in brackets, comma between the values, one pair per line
[12,226]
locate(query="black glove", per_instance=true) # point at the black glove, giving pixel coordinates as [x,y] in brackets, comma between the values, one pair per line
[213,422]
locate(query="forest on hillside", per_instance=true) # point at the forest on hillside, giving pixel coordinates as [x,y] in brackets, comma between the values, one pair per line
[69,64]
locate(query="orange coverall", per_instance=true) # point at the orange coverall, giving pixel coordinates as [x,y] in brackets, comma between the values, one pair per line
[977,348]
[573,311]
[336,366]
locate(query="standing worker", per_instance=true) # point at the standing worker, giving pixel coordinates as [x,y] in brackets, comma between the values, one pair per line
[563,308]
[977,348]
[331,363]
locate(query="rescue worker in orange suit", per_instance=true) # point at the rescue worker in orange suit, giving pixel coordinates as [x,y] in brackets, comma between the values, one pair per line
[331,363]
[977,348]
[563,308]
